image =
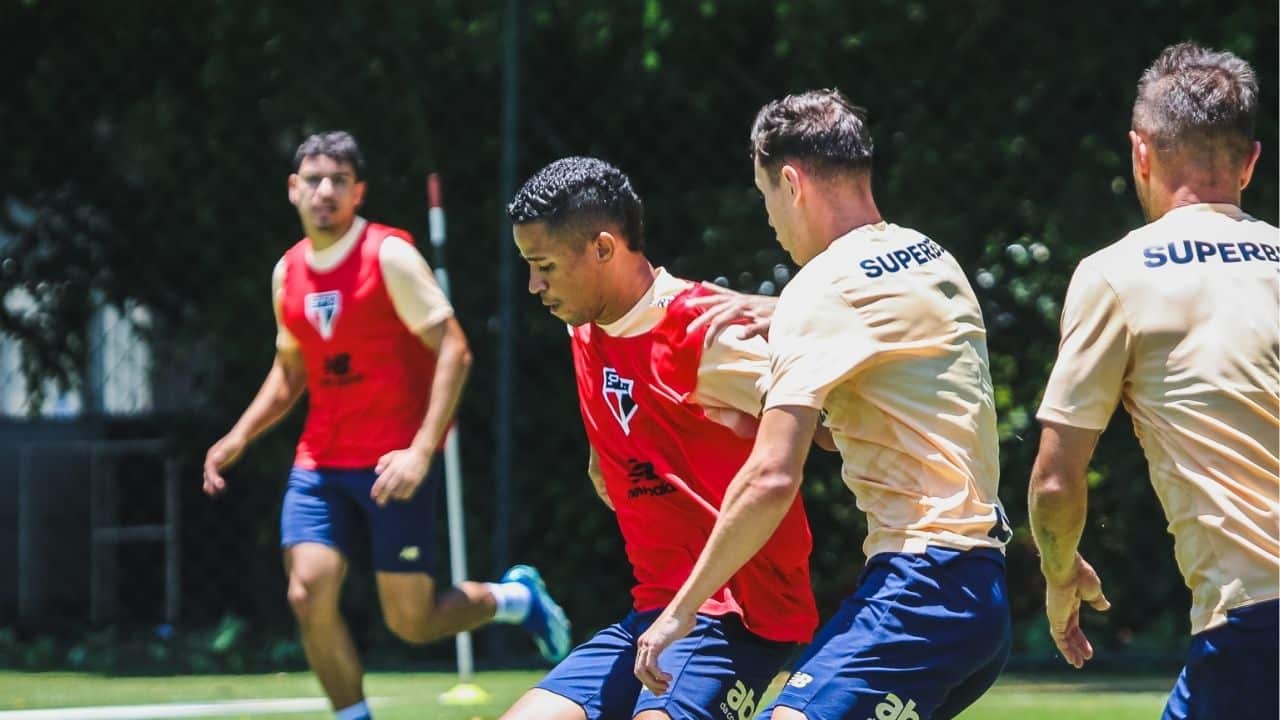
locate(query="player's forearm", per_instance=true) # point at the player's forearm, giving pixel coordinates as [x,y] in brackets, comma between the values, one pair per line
[1058,506]
[285,383]
[453,365]
[754,505]
[1057,497]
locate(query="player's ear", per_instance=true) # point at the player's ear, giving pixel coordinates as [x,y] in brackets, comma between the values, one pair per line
[1247,174]
[358,192]
[294,182]
[604,245]
[791,179]
[1141,154]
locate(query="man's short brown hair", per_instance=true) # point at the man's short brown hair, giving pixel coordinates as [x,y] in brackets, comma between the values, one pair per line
[1198,100]
[820,129]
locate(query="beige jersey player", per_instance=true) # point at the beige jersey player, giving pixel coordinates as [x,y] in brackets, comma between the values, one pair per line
[886,338]
[1179,321]
[879,340]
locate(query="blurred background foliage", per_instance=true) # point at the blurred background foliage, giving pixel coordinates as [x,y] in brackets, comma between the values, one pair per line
[147,146]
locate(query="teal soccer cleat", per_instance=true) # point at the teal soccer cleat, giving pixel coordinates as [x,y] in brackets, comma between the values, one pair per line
[546,621]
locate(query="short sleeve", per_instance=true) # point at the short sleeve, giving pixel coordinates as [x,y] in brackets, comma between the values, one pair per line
[732,372]
[1093,357]
[284,339]
[418,300]
[816,341]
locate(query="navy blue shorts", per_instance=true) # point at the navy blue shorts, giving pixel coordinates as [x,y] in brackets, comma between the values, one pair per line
[720,671]
[922,638]
[329,506]
[1231,669]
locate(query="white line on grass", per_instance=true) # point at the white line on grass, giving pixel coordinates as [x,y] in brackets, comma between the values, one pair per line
[175,710]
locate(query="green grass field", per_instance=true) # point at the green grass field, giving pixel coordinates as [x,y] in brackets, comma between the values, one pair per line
[414,695]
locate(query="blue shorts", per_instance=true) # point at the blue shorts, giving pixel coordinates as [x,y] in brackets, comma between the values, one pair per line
[330,506]
[720,671]
[1231,669]
[922,638]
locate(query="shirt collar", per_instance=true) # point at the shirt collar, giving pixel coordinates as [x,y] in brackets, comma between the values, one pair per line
[332,256]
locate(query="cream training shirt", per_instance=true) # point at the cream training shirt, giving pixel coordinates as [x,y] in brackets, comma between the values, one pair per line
[415,294]
[883,334]
[1180,320]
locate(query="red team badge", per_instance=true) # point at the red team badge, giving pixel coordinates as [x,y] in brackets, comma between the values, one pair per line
[322,310]
[617,395]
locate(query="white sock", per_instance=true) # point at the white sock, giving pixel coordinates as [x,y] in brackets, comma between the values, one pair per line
[359,711]
[514,600]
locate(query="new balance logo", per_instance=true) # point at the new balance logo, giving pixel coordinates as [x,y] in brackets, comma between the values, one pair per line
[893,709]
[739,703]
[800,680]
[322,309]
[410,553]
[617,395]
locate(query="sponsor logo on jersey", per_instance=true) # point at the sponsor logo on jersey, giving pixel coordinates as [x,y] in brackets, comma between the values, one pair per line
[617,395]
[893,708]
[337,371]
[891,262]
[1187,251]
[800,680]
[645,480]
[322,310]
[739,703]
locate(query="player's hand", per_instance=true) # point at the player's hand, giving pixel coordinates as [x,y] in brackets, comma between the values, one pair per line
[221,456]
[400,474]
[667,629]
[728,307]
[1062,605]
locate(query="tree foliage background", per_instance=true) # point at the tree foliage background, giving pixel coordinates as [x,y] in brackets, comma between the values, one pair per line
[147,146]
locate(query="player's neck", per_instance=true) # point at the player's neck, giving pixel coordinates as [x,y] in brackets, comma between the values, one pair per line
[1182,194]
[847,216]
[324,239]
[632,281]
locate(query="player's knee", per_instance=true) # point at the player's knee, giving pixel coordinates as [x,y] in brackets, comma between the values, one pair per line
[653,715]
[308,605]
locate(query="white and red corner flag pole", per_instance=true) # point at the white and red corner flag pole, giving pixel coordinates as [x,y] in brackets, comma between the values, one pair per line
[465,693]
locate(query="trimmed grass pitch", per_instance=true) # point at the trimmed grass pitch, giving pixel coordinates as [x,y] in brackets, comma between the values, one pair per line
[406,696]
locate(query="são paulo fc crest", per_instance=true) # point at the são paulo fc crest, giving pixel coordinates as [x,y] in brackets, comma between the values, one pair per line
[617,395]
[322,310]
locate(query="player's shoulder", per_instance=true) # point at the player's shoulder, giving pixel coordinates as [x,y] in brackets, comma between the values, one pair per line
[668,287]
[398,255]
[384,232]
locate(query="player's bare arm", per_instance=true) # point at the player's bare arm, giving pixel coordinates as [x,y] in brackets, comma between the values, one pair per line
[754,505]
[1058,502]
[597,478]
[727,307]
[400,472]
[284,384]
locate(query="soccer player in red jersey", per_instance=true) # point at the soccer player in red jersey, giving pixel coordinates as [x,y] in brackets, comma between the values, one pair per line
[669,421]
[364,329]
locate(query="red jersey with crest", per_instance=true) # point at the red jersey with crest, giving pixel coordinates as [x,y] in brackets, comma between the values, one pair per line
[666,467]
[368,376]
